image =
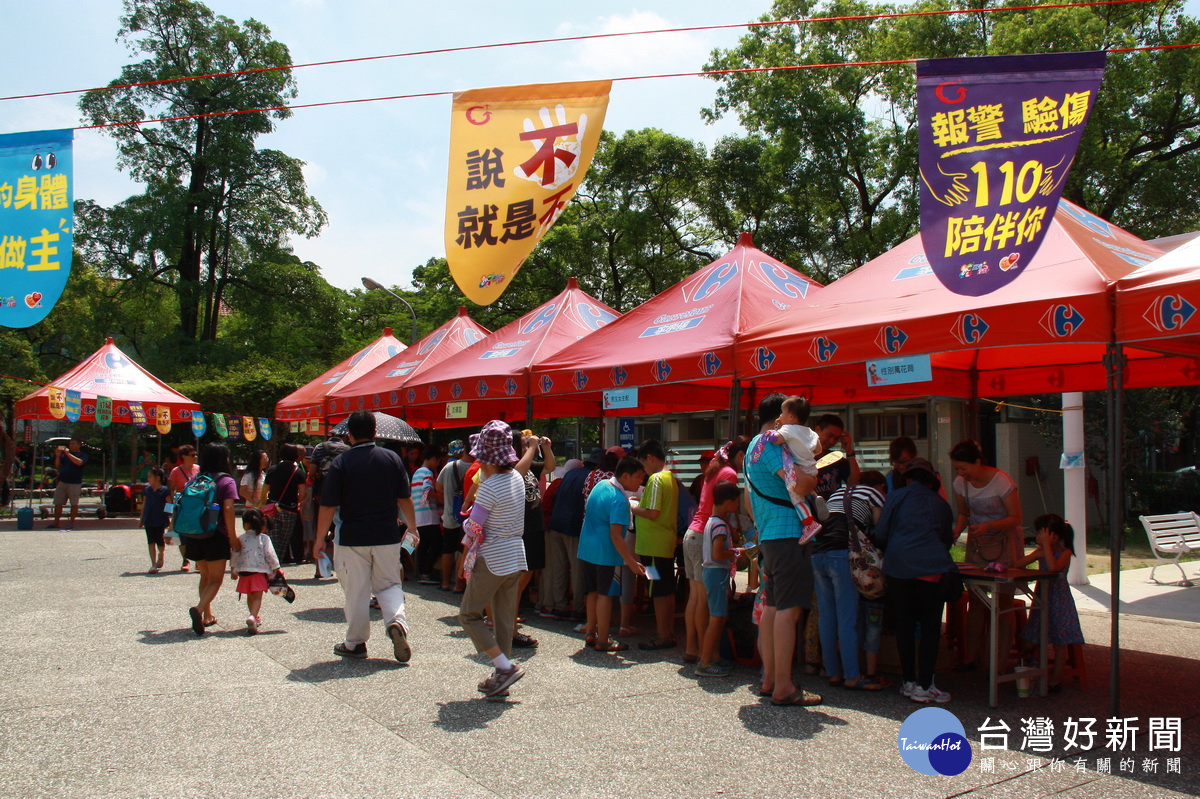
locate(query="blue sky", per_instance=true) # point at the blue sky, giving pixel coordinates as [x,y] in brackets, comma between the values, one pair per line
[379,169]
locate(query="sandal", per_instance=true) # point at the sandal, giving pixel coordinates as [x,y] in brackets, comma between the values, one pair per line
[611,646]
[802,698]
[211,622]
[884,682]
[657,643]
[863,684]
[197,621]
[625,632]
[836,682]
[589,639]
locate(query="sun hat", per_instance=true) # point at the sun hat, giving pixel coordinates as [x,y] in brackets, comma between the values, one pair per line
[455,447]
[494,444]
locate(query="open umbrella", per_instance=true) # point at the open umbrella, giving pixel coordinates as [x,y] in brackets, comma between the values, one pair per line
[388,428]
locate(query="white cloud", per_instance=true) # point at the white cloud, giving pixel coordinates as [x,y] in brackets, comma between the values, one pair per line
[624,55]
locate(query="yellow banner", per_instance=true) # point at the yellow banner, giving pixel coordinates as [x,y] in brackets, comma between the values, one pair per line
[517,156]
[58,402]
[248,429]
[162,419]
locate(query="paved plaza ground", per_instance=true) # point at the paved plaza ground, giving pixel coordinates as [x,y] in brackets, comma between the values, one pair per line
[107,692]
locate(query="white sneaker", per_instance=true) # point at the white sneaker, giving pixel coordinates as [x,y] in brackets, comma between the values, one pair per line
[931,694]
[909,688]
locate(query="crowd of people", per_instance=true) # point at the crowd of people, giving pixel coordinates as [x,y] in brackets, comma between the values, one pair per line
[494,521]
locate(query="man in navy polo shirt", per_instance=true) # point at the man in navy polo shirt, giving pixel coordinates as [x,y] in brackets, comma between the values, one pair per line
[368,485]
[69,461]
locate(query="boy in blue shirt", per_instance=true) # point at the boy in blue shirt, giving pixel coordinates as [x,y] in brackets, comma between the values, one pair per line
[602,548]
[718,564]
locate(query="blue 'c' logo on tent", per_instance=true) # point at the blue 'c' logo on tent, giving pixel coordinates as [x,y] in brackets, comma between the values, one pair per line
[580,379]
[762,359]
[891,339]
[662,370]
[547,384]
[822,349]
[1169,312]
[510,387]
[481,388]
[456,391]
[710,363]
[970,328]
[619,375]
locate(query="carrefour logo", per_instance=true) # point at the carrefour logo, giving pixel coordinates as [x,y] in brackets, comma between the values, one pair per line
[594,318]
[710,363]
[785,282]
[1062,321]
[432,342]
[762,359]
[510,387]
[822,349]
[580,379]
[544,317]
[969,328]
[716,280]
[456,390]
[481,388]
[618,375]
[547,384]
[891,339]
[662,370]
[1169,312]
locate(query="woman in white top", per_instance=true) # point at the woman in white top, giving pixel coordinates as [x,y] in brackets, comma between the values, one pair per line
[989,509]
[496,554]
[252,479]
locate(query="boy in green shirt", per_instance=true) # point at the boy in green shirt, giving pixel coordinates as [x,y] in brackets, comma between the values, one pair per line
[655,526]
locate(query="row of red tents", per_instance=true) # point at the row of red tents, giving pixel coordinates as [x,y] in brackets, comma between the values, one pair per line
[750,323]
[747,324]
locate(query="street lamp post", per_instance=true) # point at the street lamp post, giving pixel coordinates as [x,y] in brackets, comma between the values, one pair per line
[373,285]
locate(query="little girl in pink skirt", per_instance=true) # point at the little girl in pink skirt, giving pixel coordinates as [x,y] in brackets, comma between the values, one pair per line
[253,564]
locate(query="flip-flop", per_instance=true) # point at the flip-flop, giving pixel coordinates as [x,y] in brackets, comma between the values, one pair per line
[210,622]
[197,621]
[863,684]
[611,646]
[802,698]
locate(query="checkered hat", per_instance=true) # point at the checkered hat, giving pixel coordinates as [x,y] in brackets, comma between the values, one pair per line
[455,448]
[494,444]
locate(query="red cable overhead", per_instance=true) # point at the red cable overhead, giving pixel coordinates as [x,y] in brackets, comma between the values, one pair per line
[631,77]
[693,29]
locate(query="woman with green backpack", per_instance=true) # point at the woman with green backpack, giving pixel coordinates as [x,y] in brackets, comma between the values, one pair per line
[205,520]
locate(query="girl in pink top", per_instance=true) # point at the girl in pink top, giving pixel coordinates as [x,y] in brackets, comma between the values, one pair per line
[725,465]
[176,480]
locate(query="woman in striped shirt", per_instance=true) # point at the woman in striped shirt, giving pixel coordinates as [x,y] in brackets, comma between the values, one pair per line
[496,556]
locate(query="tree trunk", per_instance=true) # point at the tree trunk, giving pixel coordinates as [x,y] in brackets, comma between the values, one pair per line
[191,252]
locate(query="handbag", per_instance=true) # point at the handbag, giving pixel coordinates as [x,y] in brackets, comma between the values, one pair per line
[984,548]
[278,585]
[271,509]
[866,562]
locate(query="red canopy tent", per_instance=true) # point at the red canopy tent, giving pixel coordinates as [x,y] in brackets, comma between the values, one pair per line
[1157,304]
[1043,333]
[491,379]
[308,401]
[686,334]
[108,372]
[380,388]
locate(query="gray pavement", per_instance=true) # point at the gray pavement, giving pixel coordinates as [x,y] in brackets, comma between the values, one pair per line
[108,693]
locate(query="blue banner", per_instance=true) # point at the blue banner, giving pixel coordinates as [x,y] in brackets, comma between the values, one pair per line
[997,137]
[890,371]
[36,223]
[264,428]
[74,405]
[198,423]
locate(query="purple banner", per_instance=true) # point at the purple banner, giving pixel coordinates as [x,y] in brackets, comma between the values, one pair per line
[998,135]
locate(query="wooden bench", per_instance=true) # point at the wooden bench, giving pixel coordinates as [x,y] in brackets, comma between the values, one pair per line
[1172,534]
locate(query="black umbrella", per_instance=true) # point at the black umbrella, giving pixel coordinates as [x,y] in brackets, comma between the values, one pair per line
[388,428]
